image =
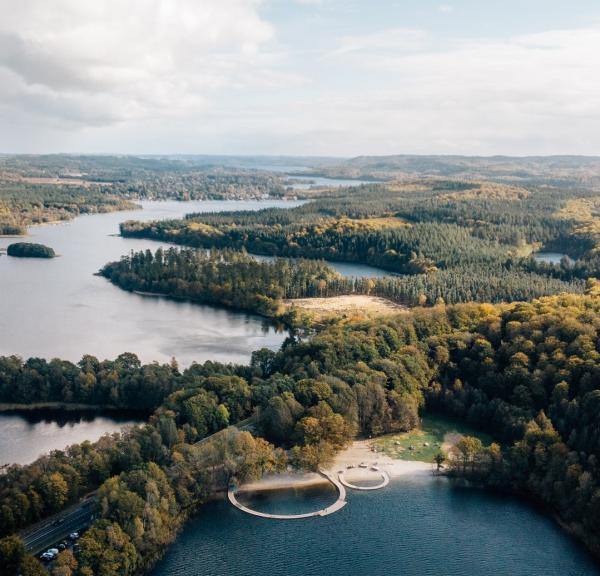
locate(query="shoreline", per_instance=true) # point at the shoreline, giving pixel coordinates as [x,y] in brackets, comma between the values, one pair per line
[358,452]
[69,219]
[7,407]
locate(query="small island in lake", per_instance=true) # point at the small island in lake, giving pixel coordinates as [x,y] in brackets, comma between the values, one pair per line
[30,250]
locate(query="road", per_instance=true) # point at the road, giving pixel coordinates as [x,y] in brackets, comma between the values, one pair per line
[47,533]
[43,536]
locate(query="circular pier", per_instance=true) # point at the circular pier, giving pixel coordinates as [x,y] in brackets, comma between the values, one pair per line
[385,480]
[337,505]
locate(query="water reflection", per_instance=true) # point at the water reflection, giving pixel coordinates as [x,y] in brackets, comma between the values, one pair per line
[26,435]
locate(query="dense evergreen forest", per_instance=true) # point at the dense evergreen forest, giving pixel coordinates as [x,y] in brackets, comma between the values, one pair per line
[527,373]
[30,250]
[223,277]
[458,241]
[238,280]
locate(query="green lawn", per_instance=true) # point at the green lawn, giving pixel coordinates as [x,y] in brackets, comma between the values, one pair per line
[426,441]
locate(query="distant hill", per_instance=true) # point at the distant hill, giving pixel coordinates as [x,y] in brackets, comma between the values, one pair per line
[543,169]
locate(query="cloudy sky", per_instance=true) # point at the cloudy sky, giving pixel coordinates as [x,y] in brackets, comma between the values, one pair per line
[318,77]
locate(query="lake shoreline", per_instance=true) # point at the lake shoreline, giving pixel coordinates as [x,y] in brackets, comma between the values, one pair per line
[357,453]
[6,408]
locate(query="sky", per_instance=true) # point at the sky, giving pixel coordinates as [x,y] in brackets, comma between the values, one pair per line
[300,77]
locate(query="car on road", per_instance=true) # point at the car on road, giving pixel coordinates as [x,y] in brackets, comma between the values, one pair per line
[49,554]
[58,522]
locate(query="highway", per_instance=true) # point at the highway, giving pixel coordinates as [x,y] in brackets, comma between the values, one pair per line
[57,528]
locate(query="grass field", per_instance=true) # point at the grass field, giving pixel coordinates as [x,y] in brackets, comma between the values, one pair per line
[436,433]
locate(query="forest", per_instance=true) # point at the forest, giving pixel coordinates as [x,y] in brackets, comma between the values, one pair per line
[509,344]
[238,280]
[23,204]
[527,373]
[453,240]
[223,277]
[39,189]
[30,250]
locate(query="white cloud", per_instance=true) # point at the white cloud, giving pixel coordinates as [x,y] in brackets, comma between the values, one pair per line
[528,94]
[394,40]
[210,76]
[98,62]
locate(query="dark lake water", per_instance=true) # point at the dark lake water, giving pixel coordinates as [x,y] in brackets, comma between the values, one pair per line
[416,527]
[26,435]
[289,501]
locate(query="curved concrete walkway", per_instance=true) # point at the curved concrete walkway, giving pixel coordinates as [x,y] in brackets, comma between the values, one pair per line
[382,484]
[337,505]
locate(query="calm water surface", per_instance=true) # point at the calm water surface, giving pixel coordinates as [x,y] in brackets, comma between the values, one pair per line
[347,269]
[549,257]
[58,308]
[307,182]
[289,501]
[27,435]
[417,527]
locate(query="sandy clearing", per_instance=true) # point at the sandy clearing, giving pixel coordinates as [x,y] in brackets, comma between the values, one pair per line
[349,304]
[358,452]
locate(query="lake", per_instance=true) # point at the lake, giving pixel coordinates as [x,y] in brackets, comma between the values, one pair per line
[548,257]
[307,182]
[348,269]
[414,527]
[59,308]
[28,434]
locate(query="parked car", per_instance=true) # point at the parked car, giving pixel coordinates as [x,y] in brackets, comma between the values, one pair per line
[49,554]
[74,535]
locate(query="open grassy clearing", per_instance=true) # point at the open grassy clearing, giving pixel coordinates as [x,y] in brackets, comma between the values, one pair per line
[436,433]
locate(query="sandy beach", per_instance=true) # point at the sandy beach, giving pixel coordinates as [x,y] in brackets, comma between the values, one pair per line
[357,453]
